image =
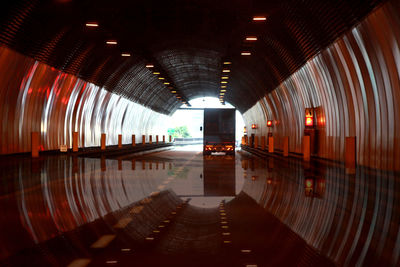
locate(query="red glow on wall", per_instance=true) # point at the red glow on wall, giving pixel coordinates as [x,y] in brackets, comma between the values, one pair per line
[269,123]
[253,126]
[309,121]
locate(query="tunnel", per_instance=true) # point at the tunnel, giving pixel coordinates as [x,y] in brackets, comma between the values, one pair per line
[91,174]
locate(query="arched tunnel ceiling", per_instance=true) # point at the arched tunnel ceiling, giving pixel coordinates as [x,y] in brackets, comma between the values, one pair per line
[187,41]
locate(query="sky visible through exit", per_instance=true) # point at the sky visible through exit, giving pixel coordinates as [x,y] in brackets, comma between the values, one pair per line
[193,119]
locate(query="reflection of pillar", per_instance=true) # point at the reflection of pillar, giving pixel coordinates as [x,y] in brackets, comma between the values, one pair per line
[143,165]
[143,139]
[156,165]
[157,139]
[120,164]
[133,140]
[263,142]
[163,165]
[306,148]
[150,165]
[103,164]
[75,166]
[120,140]
[35,144]
[163,138]
[286,146]
[169,166]
[150,139]
[270,144]
[75,141]
[103,141]
[133,165]
[350,154]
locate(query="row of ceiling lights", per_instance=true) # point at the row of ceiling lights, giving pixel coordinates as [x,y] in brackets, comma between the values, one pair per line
[226,70]
[149,66]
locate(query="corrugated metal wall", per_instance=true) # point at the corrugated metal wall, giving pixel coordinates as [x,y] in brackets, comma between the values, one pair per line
[356,84]
[37,97]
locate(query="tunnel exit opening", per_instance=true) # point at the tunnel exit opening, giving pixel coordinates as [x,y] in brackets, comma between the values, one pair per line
[187,124]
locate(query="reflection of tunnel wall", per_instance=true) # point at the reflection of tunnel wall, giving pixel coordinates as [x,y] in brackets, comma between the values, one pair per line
[36,97]
[356,82]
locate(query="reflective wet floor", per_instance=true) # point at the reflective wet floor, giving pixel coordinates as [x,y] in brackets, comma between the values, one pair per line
[180,208]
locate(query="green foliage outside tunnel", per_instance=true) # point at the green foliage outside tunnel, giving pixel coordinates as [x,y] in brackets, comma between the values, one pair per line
[179,132]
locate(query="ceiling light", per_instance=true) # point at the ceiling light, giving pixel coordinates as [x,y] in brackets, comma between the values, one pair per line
[225,77]
[222,93]
[245,53]
[166,83]
[149,66]
[161,78]
[259,18]
[251,38]
[224,82]
[92,24]
[174,92]
[156,73]
[111,42]
[227,63]
[223,90]
[125,54]
[226,70]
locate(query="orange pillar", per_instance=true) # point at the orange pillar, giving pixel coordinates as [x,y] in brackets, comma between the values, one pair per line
[143,139]
[306,148]
[350,154]
[255,141]
[103,141]
[156,139]
[163,138]
[150,139]
[263,142]
[246,140]
[270,144]
[170,139]
[120,140]
[286,146]
[133,140]
[75,142]
[35,142]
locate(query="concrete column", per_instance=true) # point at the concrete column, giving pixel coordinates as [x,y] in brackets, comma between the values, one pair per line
[163,138]
[263,142]
[270,144]
[156,139]
[75,142]
[150,139]
[286,146]
[133,140]
[103,141]
[255,141]
[120,140]
[350,154]
[306,148]
[143,139]
[35,143]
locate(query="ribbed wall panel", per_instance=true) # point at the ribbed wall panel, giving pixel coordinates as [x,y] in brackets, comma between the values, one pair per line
[356,81]
[37,97]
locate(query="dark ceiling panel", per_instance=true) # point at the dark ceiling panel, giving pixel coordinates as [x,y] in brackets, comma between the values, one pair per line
[187,40]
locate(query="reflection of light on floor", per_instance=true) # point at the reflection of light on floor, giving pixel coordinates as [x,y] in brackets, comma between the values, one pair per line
[207,202]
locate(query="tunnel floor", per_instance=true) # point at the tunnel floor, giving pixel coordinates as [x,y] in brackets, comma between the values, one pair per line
[169,208]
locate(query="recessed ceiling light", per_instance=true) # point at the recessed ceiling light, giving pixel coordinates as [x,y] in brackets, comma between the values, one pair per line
[227,62]
[225,77]
[224,82]
[156,73]
[125,54]
[149,66]
[161,78]
[92,24]
[251,38]
[174,92]
[226,70]
[259,18]
[166,83]
[111,42]
[245,53]
[223,86]
[223,90]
